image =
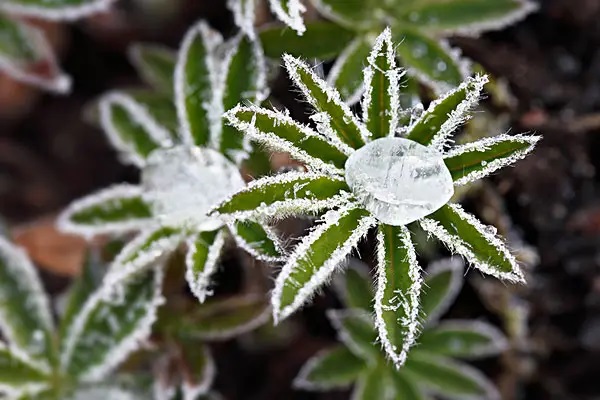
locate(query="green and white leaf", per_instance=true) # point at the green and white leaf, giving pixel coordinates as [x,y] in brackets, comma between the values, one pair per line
[381,100]
[198,370]
[203,253]
[375,384]
[445,114]
[20,374]
[131,128]
[332,368]
[405,388]
[465,339]
[112,324]
[354,287]
[398,290]
[26,55]
[116,209]
[355,329]
[25,316]
[104,392]
[347,67]
[258,240]
[352,14]
[317,257]
[289,194]
[442,284]
[244,15]
[277,131]
[56,10]
[464,234]
[344,130]
[476,160]
[290,13]
[155,64]
[198,86]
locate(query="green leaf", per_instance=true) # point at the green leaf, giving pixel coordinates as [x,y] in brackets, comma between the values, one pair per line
[381,101]
[352,14]
[277,131]
[117,209]
[155,64]
[258,163]
[405,388]
[56,10]
[332,368]
[204,250]
[292,193]
[26,55]
[356,330]
[19,373]
[322,40]
[105,391]
[196,83]
[450,378]
[197,368]
[245,81]
[317,257]
[375,384]
[25,316]
[442,284]
[223,319]
[447,113]
[470,339]
[398,290]
[431,61]
[468,17]
[342,125]
[258,240]
[477,243]
[347,68]
[111,325]
[290,13]
[80,290]
[354,286]
[473,161]
[161,109]
[131,128]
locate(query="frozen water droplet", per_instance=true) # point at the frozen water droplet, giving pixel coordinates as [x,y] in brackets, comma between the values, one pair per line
[441,66]
[419,50]
[483,163]
[182,184]
[399,181]
[491,230]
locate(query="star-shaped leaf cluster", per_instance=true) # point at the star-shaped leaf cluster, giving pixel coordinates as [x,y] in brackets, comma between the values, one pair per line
[344,218]
[432,368]
[188,157]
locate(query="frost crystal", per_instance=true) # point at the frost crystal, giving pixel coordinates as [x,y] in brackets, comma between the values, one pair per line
[399,181]
[183,183]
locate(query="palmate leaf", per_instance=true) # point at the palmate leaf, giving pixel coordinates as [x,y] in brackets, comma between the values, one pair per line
[197,85]
[155,64]
[245,81]
[463,234]
[473,161]
[465,17]
[374,384]
[131,128]
[25,317]
[277,131]
[467,339]
[117,209]
[398,290]
[322,40]
[290,13]
[347,67]
[292,193]
[431,61]
[219,320]
[111,325]
[446,114]
[256,239]
[451,379]
[354,286]
[317,256]
[381,101]
[20,374]
[345,129]
[58,10]
[355,329]
[333,368]
[204,250]
[26,55]
[442,284]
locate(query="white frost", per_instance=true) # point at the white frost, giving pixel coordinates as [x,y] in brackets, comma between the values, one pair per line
[199,281]
[291,15]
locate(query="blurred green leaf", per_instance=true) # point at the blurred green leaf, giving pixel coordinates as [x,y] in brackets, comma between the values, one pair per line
[254,238]
[336,367]
[155,64]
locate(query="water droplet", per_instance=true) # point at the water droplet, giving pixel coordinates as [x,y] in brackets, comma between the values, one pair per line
[441,66]
[491,230]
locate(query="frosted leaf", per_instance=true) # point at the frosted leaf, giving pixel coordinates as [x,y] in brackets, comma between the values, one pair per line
[56,10]
[104,393]
[243,15]
[290,13]
[399,181]
[183,183]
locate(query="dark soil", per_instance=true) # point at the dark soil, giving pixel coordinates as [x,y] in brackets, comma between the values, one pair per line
[49,155]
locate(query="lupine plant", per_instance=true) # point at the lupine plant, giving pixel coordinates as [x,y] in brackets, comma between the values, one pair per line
[100,327]
[431,368]
[25,53]
[421,27]
[185,169]
[384,171]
